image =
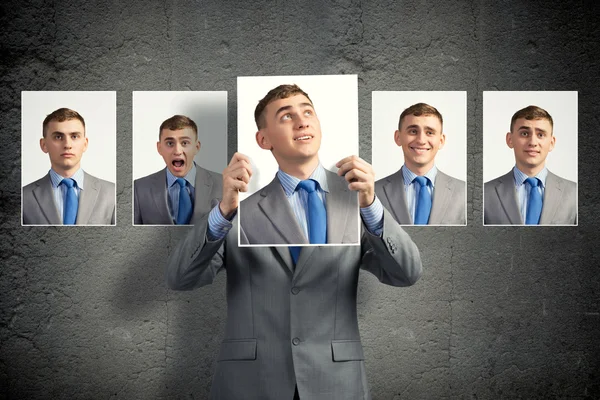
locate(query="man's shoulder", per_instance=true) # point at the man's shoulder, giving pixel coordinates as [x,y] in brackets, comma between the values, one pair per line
[459,183]
[98,182]
[389,178]
[31,186]
[145,180]
[563,182]
[501,179]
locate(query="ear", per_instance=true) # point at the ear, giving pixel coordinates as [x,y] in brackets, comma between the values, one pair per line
[442,140]
[85,145]
[509,142]
[158,148]
[43,145]
[552,142]
[198,145]
[263,141]
[397,138]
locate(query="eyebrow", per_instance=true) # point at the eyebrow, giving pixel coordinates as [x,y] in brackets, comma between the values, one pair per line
[180,137]
[427,128]
[528,128]
[285,108]
[65,133]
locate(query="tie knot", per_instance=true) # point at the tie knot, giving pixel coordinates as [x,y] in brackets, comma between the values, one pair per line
[182,182]
[68,182]
[309,185]
[534,182]
[421,180]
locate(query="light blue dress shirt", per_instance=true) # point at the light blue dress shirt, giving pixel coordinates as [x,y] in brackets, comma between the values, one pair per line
[173,190]
[218,226]
[523,188]
[60,191]
[412,189]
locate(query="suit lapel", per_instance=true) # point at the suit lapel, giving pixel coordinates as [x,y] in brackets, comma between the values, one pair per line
[159,197]
[442,194]
[45,198]
[508,198]
[283,252]
[202,190]
[303,259]
[396,197]
[338,206]
[87,199]
[552,198]
[277,211]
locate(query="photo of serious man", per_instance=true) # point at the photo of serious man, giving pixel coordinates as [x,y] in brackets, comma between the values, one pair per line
[529,193]
[67,195]
[419,192]
[183,191]
[292,329]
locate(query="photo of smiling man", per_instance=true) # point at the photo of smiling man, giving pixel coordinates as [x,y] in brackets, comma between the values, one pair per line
[67,194]
[424,190]
[530,194]
[182,190]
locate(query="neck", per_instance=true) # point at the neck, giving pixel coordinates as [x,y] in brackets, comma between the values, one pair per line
[419,170]
[299,170]
[66,173]
[531,171]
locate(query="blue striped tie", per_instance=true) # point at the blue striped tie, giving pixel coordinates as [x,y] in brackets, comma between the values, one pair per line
[71,202]
[534,204]
[317,217]
[423,202]
[185,203]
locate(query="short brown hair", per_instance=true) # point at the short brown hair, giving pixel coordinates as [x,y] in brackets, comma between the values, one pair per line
[531,113]
[280,92]
[177,122]
[61,115]
[420,109]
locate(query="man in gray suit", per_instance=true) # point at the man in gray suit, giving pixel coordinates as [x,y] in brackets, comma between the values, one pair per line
[181,192]
[292,330]
[530,194]
[67,195]
[419,193]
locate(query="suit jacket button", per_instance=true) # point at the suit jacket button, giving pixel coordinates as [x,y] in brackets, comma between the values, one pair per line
[295,290]
[295,341]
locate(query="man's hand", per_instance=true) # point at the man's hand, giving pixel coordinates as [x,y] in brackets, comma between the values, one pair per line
[360,176]
[235,179]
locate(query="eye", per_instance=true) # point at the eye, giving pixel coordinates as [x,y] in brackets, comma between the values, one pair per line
[185,143]
[286,117]
[74,136]
[524,133]
[430,133]
[169,143]
[412,131]
[308,113]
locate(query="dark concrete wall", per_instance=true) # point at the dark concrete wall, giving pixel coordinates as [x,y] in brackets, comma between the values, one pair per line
[499,313]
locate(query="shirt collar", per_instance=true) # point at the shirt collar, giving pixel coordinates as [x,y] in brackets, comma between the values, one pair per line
[190,177]
[521,176]
[56,178]
[410,176]
[289,182]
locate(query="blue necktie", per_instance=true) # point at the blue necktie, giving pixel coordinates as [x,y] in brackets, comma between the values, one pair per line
[185,203]
[71,202]
[534,204]
[317,217]
[423,208]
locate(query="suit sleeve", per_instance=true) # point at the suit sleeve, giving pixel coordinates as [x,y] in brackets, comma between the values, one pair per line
[195,261]
[393,258]
[137,217]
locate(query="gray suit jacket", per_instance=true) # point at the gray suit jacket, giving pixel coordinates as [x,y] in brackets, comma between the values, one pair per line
[150,201]
[96,203]
[447,207]
[289,325]
[266,217]
[501,206]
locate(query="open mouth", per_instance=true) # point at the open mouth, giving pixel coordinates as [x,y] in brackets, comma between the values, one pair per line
[305,137]
[420,150]
[178,163]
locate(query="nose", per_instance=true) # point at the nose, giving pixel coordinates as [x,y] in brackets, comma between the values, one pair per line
[302,121]
[178,148]
[421,137]
[68,142]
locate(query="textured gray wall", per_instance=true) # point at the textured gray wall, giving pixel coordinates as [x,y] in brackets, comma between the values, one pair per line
[499,312]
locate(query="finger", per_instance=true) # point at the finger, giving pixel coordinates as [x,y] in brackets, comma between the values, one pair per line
[240,174]
[356,175]
[357,164]
[346,159]
[235,184]
[361,186]
[239,157]
[241,164]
